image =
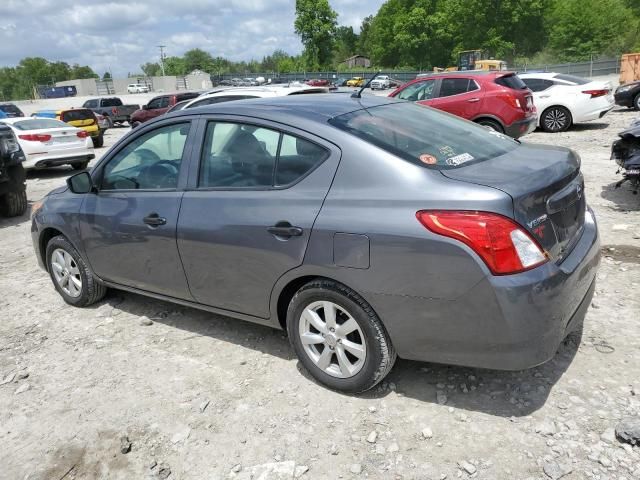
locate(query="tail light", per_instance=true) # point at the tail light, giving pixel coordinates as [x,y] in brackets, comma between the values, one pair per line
[596,93]
[82,134]
[503,245]
[114,110]
[35,137]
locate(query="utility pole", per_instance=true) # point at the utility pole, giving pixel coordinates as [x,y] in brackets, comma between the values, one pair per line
[162,47]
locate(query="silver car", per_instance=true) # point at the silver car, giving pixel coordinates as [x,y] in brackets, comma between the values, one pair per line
[367,228]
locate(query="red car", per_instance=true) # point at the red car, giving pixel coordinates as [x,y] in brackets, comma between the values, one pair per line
[318,82]
[499,100]
[159,105]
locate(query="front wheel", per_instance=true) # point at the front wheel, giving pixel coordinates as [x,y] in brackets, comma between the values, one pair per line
[71,276]
[98,141]
[555,119]
[338,337]
[80,165]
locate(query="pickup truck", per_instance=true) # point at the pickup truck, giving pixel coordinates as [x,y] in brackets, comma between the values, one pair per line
[112,109]
[381,82]
[158,106]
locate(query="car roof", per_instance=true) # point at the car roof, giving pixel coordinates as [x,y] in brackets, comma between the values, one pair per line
[468,73]
[538,75]
[316,107]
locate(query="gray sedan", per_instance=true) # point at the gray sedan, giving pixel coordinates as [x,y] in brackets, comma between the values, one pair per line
[367,228]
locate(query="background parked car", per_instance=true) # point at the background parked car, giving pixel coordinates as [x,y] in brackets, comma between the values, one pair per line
[242,93]
[355,82]
[112,108]
[10,110]
[562,100]
[138,88]
[47,142]
[318,82]
[628,95]
[381,82]
[13,190]
[158,106]
[498,100]
[77,117]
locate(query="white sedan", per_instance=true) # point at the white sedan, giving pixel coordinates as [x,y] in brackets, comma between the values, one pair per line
[562,100]
[47,142]
[240,93]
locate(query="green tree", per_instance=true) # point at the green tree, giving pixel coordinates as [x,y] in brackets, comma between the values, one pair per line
[151,69]
[174,66]
[581,28]
[345,45]
[316,25]
[106,76]
[197,59]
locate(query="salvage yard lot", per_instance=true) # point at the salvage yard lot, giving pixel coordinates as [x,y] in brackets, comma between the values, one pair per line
[204,396]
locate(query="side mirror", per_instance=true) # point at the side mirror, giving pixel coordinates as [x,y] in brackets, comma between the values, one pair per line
[80,183]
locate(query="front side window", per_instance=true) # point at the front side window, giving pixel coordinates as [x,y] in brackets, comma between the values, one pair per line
[155,103]
[424,136]
[418,91]
[150,162]
[243,156]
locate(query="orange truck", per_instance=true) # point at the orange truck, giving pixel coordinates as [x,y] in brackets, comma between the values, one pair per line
[630,68]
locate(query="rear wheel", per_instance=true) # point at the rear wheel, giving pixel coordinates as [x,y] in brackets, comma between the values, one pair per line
[80,165]
[338,337]
[492,124]
[636,102]
[555,119]
[98,141]
[71,277]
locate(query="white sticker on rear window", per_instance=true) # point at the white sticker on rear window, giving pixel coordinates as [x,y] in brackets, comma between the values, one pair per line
[459,159]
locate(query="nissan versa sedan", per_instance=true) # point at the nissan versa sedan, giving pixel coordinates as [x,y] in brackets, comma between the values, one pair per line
[368,228]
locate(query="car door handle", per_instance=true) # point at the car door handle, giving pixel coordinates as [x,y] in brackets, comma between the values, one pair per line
[284,229]
[473,100]
[544,96]
[154,220]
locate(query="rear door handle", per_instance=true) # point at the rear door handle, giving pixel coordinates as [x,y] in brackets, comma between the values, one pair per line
[473,100]
[285,229]
[154,220]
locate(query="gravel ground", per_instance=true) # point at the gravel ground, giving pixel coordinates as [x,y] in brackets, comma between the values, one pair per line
[191,395]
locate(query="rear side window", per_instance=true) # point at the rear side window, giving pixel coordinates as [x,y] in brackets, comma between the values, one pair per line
[111,102]
[454,86]
[164,102]
[424,136]
[74,115]
[537,84]
[39,124]
[511,81]
[244,156]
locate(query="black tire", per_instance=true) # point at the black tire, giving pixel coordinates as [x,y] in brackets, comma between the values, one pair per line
[92,291]
[80,165]
[13,203]
[98,141]
[556,119]
[636,102]
[492,124]
[380,355]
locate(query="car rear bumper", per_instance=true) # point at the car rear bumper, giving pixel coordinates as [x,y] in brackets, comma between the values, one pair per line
[45,161]
[521,127]
[510,322]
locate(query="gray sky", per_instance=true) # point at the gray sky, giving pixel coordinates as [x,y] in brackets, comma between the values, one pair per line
[120,35]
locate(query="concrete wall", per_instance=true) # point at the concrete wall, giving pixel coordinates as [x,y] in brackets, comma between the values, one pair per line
[84,86]
[199,82]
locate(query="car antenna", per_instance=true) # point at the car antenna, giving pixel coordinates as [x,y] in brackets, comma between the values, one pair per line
[358,94]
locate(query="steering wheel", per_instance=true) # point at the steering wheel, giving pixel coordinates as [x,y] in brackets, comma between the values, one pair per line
[159,175]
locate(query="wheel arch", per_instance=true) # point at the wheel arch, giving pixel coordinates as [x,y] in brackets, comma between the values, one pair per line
[488,116]
[45,237]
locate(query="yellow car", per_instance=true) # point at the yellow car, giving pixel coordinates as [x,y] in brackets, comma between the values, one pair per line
[355,82]
[82,118]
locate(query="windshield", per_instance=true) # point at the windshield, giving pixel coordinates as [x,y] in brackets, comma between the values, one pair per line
[573,79]
[39,124]
[424,136]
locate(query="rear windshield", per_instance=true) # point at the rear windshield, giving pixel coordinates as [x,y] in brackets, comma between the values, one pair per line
[39,124]
[111,102]
[572,79]
[73,115]
[511,81]
[9,108]
[424,136]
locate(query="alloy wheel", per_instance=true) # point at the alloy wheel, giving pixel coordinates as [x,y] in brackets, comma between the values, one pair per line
[332,339]
[555,120]
[66,272]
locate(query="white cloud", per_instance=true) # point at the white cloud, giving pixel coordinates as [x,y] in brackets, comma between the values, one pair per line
[120,35]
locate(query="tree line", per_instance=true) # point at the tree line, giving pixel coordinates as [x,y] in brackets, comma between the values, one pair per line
[403,34]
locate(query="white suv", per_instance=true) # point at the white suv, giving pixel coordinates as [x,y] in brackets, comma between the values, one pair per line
[137,88]
[381,82]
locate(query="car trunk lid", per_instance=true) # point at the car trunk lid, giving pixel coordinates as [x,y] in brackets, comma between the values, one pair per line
[547,189]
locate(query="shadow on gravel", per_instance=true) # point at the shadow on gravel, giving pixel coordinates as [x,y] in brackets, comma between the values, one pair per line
[623,197]
[53,172]
[499,393]
[585,127]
